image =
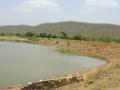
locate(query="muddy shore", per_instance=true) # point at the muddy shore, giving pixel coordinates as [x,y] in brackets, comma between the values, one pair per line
[106,77]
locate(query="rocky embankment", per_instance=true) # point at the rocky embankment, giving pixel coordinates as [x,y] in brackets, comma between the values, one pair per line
[53,83]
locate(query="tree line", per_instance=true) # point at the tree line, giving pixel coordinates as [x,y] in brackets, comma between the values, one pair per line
[64,35]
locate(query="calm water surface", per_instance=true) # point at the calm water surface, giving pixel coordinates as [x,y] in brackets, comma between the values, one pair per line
[22,63]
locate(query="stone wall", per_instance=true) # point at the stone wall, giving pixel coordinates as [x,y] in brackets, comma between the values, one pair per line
[60,82]
[53,83]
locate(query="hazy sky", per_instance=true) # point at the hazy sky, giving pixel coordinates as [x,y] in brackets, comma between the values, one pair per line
[38,11]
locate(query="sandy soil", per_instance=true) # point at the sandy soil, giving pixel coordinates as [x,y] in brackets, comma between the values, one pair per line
[106,77]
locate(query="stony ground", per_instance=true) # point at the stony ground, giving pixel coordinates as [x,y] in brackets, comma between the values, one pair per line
[106,77]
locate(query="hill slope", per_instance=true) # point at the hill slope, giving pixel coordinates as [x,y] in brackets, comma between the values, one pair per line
[70,27]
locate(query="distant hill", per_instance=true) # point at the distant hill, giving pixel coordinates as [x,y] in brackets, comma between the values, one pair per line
[70,27]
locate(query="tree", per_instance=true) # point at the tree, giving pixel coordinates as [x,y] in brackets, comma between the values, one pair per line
[29,34]
[49,35]
[2,34]
[43,35]
[18,34]
[64,35]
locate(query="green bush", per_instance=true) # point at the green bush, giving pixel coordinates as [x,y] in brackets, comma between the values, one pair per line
[2,34]
[63,35]
[18,34]
[29,34]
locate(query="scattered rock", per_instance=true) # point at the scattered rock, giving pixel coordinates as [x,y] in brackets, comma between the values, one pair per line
[90,81]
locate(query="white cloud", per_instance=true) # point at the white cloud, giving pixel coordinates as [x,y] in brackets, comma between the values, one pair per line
[102,3]
[30,5]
